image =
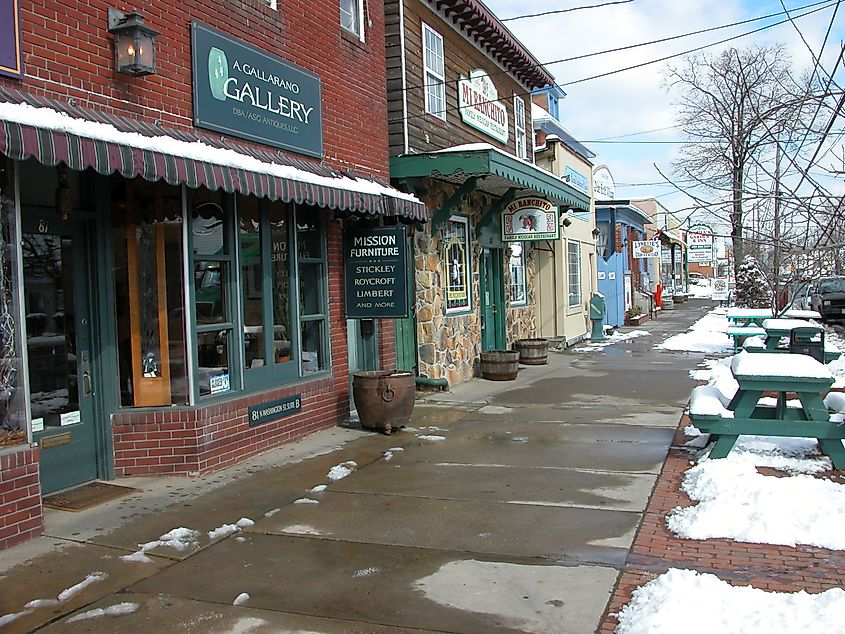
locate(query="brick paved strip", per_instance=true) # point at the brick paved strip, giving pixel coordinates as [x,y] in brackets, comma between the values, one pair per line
[655,549]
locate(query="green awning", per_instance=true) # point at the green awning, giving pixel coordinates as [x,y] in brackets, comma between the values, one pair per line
[496,172]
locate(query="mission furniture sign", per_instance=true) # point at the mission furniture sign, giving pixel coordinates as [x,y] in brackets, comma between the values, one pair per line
[375,273]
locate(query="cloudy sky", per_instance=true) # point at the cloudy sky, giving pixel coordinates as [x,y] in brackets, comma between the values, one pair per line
[635,104]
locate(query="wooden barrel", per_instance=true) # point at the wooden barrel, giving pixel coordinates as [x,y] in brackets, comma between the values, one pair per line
[499,365]
[384,400]
[532,351]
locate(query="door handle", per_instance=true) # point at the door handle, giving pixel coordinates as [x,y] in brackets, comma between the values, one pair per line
[87,385]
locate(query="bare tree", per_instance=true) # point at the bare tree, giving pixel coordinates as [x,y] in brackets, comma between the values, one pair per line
[734,108]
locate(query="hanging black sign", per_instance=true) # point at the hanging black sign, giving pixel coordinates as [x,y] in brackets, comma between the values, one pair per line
[375,273]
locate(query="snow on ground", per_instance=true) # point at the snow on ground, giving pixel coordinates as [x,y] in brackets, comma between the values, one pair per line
[695,603]
[179,538]
[342,470]
[736,502]
[701,290]
[430,437]
[317,489]
[708,334]
[118,609]
[837,367]
[306,501]
[615,337]
[227,529]
[242,598]
[8,618]
[93,577]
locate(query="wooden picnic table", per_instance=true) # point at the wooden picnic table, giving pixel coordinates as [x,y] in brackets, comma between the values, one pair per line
[748,316]
[778,328]
[806,415]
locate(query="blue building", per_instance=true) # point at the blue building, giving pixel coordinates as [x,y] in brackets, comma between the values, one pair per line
[624,281]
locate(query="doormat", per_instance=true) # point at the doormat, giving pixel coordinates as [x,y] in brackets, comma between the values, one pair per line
[85,496]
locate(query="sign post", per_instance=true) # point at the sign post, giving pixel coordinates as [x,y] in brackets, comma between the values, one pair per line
[375,274]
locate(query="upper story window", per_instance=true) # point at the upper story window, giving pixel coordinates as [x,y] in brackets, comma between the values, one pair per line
[271,3]
[434,72]
[519,127]
[352,16]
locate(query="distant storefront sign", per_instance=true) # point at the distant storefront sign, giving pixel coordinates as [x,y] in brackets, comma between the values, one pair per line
[604,186]
[577,180]
[248,93]
[11,57]
[375,273]
[666,253]
[478,102]
[700,244]
[647,248]
[721,289]
[530,218]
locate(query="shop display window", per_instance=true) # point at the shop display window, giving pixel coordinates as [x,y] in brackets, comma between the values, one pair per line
[456,254]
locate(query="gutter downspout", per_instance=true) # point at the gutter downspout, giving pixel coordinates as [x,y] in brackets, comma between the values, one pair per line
[424,381]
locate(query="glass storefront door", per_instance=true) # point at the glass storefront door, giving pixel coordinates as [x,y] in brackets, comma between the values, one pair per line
[58,343]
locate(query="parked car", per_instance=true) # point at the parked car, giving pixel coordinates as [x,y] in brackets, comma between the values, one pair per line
[696,278]
[827,296]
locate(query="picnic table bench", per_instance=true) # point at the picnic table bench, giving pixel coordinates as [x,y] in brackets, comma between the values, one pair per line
[741,333]
[797,313]
[746,412]
[778,328]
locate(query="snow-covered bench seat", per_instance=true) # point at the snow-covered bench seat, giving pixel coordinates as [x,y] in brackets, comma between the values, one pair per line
[707,406]
[741,333]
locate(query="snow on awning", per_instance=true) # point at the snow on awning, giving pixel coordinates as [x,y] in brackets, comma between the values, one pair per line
[54,132]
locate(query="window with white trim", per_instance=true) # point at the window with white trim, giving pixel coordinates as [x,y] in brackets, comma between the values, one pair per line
[352,16]
[456,255]
[519,127]
[271,3]
[434,72]
[574,262]
[516,264]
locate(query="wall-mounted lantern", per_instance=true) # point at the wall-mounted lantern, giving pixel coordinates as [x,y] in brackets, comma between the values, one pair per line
[134,44]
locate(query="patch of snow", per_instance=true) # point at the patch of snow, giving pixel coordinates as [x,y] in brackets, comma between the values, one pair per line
[430,438]
[662,606]
[301,529]
[42,603]
[495,409]
[118,609]
[242,598]
[250,624]
[223,531]
[708,334]
[318,489]
[138,557]
[179,538]
[244,522]
[240,539]
[8,618]
[388,456]
[93,577]
[306,501]
[395,449]
[366,572]
[736,502]
[613,338]
[340,471]
[272,512]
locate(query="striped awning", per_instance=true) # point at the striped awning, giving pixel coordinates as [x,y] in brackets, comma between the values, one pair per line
[54,132]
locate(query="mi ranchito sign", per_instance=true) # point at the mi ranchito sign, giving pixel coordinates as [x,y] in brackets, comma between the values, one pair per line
[375,273]
[478,102]
[246,92]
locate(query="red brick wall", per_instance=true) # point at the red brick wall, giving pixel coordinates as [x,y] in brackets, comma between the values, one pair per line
[181,441]
[68,52]
[21,515]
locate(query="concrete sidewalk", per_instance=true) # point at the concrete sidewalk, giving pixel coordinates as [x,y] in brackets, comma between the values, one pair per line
[509,507]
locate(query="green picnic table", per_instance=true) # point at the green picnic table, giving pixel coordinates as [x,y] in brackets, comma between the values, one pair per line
[740,333]
[805,415]
[748,316]
[776,329]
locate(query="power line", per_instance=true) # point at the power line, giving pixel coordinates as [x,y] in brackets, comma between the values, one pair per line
[687,52]
[826,3]
[544,13]
[628,47]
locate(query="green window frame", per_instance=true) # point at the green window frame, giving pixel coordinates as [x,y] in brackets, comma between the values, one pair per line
[456,256]
[518,291]
[264,329]
[213,318]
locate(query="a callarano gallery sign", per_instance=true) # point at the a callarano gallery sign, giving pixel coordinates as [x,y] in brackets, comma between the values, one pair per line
[245,92]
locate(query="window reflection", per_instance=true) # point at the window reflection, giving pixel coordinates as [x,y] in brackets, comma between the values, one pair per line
[280,276]
[148,288]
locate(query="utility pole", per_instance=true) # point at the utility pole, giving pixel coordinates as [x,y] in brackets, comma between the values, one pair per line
[776,258]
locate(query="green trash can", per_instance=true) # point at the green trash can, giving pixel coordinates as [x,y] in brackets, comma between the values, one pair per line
[598,309]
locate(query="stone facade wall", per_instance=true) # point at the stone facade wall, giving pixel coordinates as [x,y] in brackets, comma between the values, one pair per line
[449,344]
[521,321]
